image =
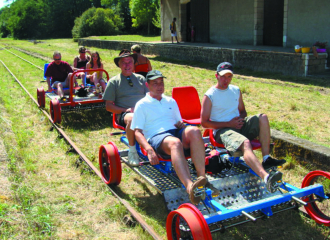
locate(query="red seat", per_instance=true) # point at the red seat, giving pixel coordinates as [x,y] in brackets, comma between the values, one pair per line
[209,132]
[189,104]
[115,124]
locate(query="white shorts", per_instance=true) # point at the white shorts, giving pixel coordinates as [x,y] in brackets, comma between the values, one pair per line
[173,34]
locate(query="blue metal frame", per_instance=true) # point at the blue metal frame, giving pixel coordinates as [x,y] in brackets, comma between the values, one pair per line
[222,213]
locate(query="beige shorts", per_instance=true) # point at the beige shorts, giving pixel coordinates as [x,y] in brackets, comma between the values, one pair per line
[233,138]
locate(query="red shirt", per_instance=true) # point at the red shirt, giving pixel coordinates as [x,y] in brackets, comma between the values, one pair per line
[58,72]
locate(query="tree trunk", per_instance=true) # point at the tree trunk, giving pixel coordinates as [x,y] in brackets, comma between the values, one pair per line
[148,27]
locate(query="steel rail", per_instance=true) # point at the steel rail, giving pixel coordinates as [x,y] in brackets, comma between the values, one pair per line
[132,211]
[24,59]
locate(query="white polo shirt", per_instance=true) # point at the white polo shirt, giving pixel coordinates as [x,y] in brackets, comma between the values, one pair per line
[153,116]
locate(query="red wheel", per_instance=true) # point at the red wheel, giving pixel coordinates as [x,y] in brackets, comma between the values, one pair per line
[41,97]
[55,111]
[187,222]
[318,210]
[110,164]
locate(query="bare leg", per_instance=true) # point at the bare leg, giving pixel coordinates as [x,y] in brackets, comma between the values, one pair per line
[192,138]
[173,146]
[251,159]
[129,132]
[60,90]
[264,135]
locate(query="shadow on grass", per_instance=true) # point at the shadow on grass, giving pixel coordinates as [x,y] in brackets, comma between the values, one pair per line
[320,81]
[87,120]
[153,205]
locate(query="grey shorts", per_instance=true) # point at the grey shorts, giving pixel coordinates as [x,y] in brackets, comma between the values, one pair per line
[156,141]
[233,138]
[64,84]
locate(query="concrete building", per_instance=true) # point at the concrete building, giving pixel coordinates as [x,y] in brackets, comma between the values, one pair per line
[283,23]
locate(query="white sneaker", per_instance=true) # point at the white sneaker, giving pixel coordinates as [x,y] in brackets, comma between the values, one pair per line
[133,159]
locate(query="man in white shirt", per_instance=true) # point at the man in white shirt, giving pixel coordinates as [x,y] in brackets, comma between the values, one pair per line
[160,131]
[223,110]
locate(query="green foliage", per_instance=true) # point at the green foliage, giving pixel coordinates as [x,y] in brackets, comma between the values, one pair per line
[97,21]
[144,12]
[121,7]
[27,19]
[4,16]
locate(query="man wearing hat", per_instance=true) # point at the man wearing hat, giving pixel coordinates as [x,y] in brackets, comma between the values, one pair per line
[122,93]
[223,110]
[160,131]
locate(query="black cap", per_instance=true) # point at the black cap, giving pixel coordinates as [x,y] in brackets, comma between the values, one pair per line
[224,68]
[154,74]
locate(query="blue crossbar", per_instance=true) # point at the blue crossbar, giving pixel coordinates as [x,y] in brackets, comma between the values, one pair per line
[263,205]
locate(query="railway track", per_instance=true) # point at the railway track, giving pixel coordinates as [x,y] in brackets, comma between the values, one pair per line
[82,156]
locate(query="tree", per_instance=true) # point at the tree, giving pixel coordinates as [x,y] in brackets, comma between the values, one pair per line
[97,21]
[143,12]
[121,7]
[27,19]
[4,16]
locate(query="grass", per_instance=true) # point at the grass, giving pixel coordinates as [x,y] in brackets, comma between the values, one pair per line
[74,204]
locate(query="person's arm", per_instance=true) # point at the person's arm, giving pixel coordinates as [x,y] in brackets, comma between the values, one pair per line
[241,107]
[75,63]
[88,65]
[236,122]
[152,156]
[101,72]
[111,107]
[48,82]
[149,65]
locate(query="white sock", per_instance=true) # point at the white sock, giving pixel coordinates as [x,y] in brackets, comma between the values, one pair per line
[265,157]
[266,178]
[132,148]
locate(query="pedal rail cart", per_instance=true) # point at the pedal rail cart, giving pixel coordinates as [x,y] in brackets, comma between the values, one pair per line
[71,102]
[243,195]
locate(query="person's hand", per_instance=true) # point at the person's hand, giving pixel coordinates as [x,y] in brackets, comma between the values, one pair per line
[152,156]
[130,110]
[236,122]
[50,89]
[180,125]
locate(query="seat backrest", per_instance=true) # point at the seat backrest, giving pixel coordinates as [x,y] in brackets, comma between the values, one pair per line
[45,68]
[115,124]
[188,101]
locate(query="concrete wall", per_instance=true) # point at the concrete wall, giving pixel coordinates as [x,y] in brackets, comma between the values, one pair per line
[232,22]
[296,64]
[169,10]
[308,22]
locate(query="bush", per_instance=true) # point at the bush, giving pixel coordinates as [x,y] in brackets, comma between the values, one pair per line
[98,22]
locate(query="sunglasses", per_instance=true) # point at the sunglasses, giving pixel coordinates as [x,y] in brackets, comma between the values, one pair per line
[82,52]
[129,81]
[57,59]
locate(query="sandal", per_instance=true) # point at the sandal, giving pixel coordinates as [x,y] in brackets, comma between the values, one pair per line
[200,182]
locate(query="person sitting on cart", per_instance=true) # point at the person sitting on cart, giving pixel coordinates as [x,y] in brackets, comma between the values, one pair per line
[160,131]
[223,110]
[142,65]
[96,77]
[58,75]
[81,61]
[122,93]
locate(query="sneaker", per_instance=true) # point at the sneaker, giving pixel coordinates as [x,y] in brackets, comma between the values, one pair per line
[215,191]
[133,159]
[200,182]
[273,178]
[272,162]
